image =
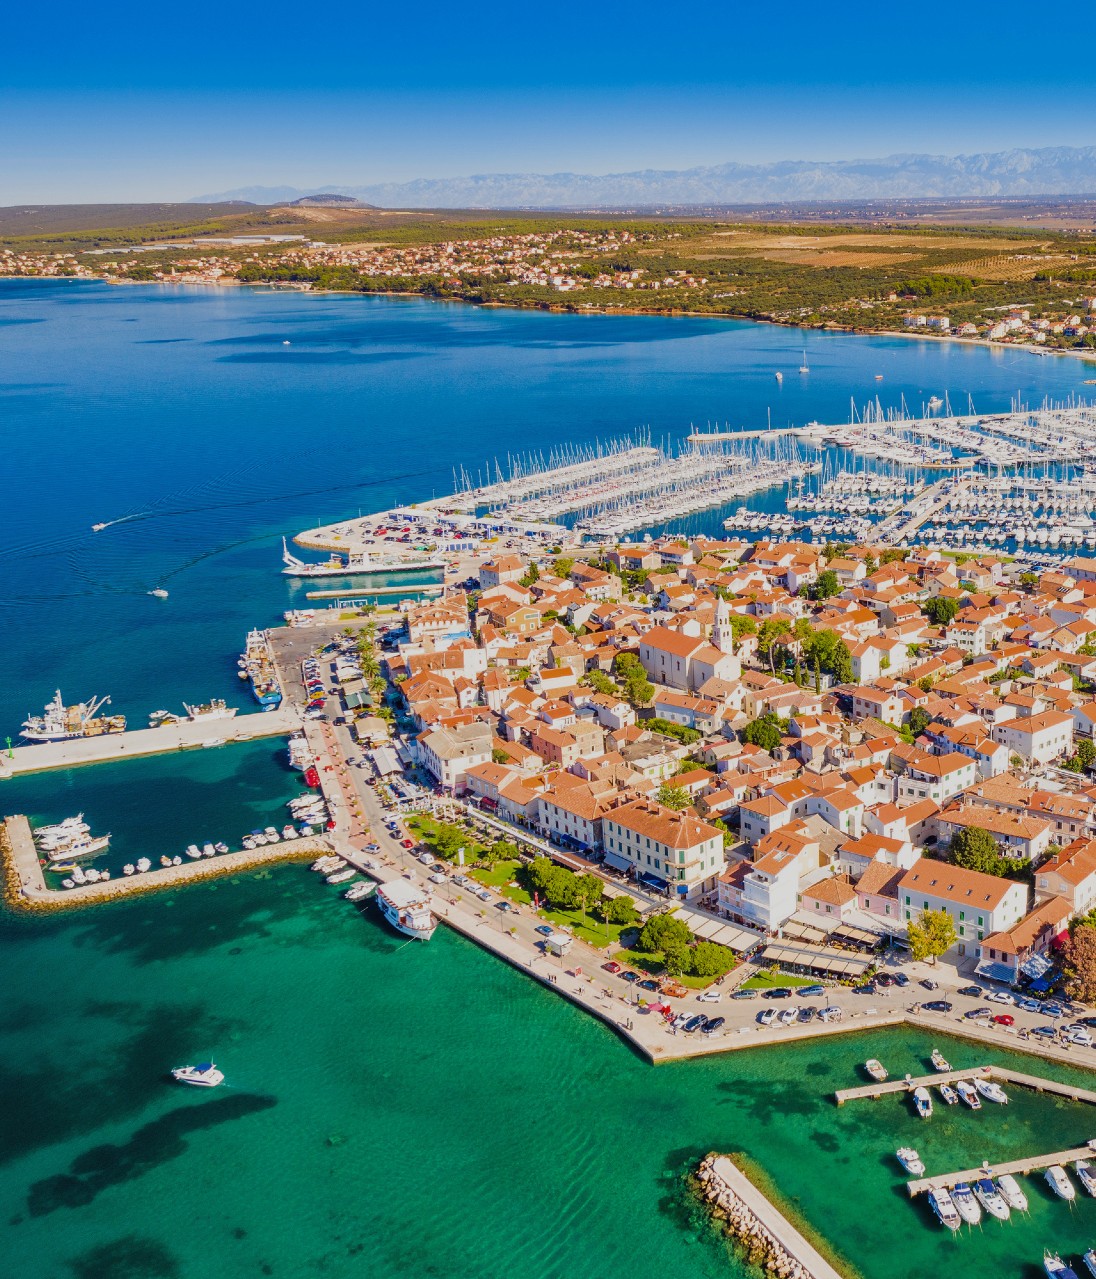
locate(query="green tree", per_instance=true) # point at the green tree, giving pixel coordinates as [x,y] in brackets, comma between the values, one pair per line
[661,931]
[710,959]
[531,575]
[502,850]
[619,910]
[940,610]
[931,935]
[600,683]
[675,797]
[563,566]
[841,665]
[675,957]
[741,624]
[1029,581]
[765,731]
[1085,752]
[587,892]
[769,634]
[499,756]
[975,849]
[637,688]
[920,719]
[825,586]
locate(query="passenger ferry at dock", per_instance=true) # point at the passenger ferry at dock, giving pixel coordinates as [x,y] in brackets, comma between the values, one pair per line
[61,723]
[406,906]
[257,667]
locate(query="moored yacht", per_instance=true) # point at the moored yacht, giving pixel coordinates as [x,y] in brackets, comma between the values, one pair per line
[991,1199]
[910,1160]
[992,1091]
[1090,1261]
[941,1202]
[205,1075]
[1086,1175]
[923,1102]
[1011,1192]
[406,906]
[965,1203]
[968,1093]
[1056,1268]
[1058,1182]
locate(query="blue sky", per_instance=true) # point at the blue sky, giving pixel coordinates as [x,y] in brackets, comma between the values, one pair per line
[138,103]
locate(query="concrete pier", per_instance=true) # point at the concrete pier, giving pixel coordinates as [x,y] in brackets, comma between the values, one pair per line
[908,1083]
[25,884]
[188,735]
[1016,1166]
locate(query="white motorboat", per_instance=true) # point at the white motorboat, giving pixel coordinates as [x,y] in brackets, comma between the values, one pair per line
[192,850]
[910,1160]
[248,842]
[84,847]
[875,1069]
[949,1095]
[939,1061]
[176,860]
[965,1203]
[1056,1268]
[991,1199]
[65,827]
[1086,1175]
[1090,1261]
[923,1102]
[289,832]
[1011,1192]
[944,1206]
[143,864]
[306,830]
[969,1094]
[128,868]
[300,753]
[220,847]
[1058,1182]
[79,876]
[992,1091]
[208,850]
[406,906]
[358,892]
[205,1075]
[68,883]
[341,876]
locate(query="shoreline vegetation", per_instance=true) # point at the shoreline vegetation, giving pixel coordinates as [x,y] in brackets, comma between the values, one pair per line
[1017,287]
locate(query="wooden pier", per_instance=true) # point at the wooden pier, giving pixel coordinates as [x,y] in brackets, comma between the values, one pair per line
[1022,1166]
[187,735]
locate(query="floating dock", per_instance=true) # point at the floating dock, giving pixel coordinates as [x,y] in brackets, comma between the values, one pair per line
[188,735]
[1000,1073]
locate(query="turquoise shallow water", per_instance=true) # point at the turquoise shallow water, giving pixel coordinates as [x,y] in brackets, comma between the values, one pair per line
[405,1110]
[394,1110]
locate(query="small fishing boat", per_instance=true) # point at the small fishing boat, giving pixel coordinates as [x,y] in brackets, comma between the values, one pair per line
[1011,1192]
[923,1102]
[910,1160]
[165,860]
[143,864]
[991,1199]
[207,849]
[969,1094]
[220,847]
[939,1061]
[1086,1175]
[944,1206]
[1056,1268]
[992,1091]
[192,850]
[876,1069]
[128,868]
[965,1203]
[1057,1180]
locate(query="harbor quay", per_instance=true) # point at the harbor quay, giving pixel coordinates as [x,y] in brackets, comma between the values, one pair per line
[180,736]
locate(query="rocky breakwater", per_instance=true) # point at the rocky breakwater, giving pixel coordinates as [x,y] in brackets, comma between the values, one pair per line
[766,1237]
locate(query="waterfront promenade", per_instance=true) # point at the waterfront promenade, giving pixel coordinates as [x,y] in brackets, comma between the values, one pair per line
[187,735]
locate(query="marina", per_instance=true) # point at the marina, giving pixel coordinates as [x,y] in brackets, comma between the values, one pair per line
[1012,1168]
[999,1073]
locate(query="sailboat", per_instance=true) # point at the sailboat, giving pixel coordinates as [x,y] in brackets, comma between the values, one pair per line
[804,367]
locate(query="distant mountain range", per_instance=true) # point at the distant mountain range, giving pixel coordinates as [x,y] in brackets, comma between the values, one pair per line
[1045,171]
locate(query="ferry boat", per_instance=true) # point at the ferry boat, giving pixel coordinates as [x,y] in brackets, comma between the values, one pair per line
[205,1075]
[944,1206]
[965,1203]
[60,723]
[335,566]
[991,1199]
[1056,1268]
[939,1061]
[923,1102]
[407,908]
[910,1160]
[257,667]
[1011,1192]
[213,709]
[1057,1180]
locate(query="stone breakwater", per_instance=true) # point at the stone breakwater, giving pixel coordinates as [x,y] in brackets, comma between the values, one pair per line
[24,888]
[766,1237]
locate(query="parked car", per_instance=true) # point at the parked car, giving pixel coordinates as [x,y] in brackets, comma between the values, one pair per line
[777,992]
[807,1013]
[611,967]
[427,859]
[787,1016]
[627,975]
[744,994]
[483,894]
[978,1014]
[1053,1010]
[647,984]
[504,906]
[708,997]
[407,843]
[1004,1019]
[900,979]
[1034,1006]
[938,1006]
[974,992]
[766,1017]
[833,1013]
[695,1023]
[929,984]
[1081,1038]
[884,979]
[1001,997]
[811,992]
[1047,1032]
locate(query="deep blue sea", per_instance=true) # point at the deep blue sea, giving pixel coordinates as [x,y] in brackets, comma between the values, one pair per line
[394,1111]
